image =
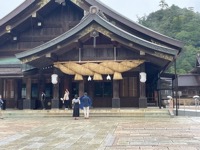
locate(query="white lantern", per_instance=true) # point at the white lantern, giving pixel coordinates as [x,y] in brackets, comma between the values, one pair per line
[54,78]
[143,77]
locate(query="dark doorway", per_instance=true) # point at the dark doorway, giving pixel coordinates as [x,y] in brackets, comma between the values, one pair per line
[35,102]
[74,89]
[49,95]
[102,94]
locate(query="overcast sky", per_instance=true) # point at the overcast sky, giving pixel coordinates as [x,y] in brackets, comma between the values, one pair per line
[128,8]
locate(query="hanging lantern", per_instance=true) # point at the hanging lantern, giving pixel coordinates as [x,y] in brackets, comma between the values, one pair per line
[143,77]
[54,78]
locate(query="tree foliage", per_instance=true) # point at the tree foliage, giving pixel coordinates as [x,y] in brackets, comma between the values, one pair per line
[181,24]
[163,4]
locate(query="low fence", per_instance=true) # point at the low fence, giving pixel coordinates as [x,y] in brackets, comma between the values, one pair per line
[187,107]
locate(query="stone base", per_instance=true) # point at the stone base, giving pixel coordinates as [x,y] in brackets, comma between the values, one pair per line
[26,104]
[115,102]
[142,102]
[55,103]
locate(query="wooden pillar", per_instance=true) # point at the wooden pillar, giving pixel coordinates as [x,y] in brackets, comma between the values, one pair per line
[19,94]
[16,92]
[142,98]
[4,88]
[81,88]
[56,88]
[27,101]
[115,99]
[91,89]
[1,87]
[41,85]
[55,100]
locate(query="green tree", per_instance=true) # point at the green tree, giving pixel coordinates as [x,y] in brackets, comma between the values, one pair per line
[181,24]
[163,4]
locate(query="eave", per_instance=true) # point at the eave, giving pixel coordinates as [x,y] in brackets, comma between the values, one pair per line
[188,80]
[81,3]
[11,71]
[23,17]
[16,12]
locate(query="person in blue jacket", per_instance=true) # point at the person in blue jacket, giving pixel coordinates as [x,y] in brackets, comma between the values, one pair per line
[86,102]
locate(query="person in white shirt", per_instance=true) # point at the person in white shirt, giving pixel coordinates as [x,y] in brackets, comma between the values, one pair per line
[43,97]
[66,99]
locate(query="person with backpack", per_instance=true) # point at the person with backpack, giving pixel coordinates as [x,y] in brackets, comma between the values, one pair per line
[1,105]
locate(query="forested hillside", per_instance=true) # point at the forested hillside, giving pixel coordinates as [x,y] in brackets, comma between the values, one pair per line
[181,24]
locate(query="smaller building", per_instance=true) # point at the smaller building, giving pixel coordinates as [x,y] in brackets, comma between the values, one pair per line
[189,84]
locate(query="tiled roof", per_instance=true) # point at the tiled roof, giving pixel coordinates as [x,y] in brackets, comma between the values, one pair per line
[189,80]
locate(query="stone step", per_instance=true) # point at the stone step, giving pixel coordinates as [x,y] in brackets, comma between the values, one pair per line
[147,112]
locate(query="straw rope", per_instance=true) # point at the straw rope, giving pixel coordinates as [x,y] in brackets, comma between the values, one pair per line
[78,77]
[117,76]
[97,69]
[79,69]
[115,66]
[97,77]
[132,64]
[64,69]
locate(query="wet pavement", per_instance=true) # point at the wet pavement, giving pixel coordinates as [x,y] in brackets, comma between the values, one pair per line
[100,133]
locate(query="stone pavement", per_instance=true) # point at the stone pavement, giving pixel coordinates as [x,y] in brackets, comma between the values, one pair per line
[100,133]
[188,111]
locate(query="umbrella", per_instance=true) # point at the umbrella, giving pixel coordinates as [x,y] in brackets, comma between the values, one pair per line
[169,97]
[196,96]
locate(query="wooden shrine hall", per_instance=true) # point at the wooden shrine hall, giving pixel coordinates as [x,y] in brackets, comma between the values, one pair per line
[82,46]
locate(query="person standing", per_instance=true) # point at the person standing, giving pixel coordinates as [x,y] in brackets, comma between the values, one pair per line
[76,109]
[43,98]
[1,105]
[66,99]
[86,105]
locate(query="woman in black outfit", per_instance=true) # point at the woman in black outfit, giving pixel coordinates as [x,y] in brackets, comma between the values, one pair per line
[76,103]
